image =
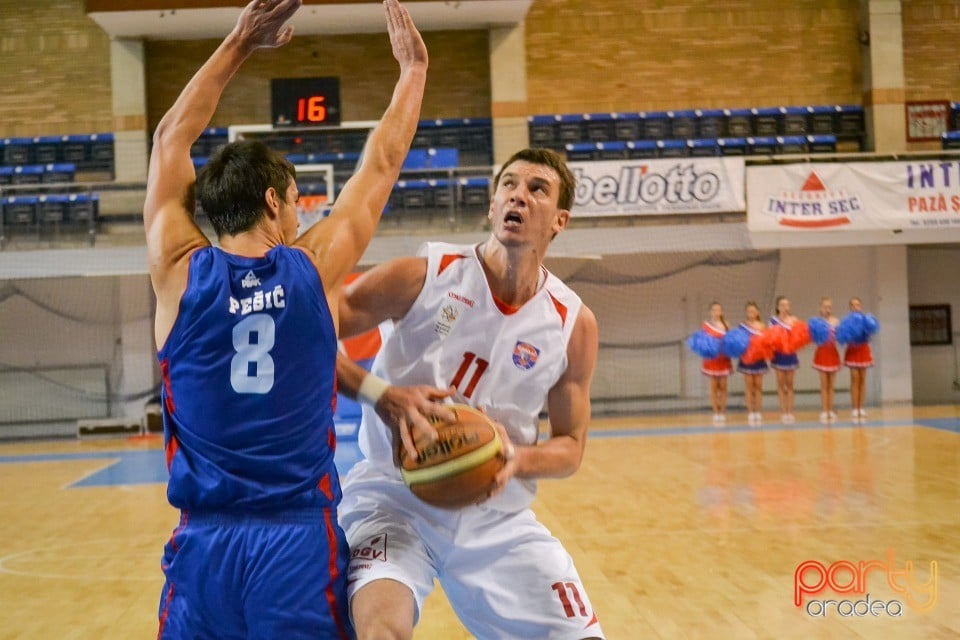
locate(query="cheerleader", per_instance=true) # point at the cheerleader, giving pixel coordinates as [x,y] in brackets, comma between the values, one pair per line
[784,361]
[753,365]
[718,368]
[826,359]
[855,330]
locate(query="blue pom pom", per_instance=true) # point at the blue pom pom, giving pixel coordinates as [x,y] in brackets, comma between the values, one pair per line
[819,330]
[852,330]
[704,345]
[870,325]
[735,342]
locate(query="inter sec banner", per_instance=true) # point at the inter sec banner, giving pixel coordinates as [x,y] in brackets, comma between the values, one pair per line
[662,186]
[858,196]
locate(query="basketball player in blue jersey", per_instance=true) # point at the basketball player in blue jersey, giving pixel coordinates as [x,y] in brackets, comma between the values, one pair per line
[247,345]
[486,325]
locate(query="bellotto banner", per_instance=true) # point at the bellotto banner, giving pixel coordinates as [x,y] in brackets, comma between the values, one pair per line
[658,187]
[861,195]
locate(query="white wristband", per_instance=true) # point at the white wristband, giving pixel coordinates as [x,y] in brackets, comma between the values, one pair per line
[372,388]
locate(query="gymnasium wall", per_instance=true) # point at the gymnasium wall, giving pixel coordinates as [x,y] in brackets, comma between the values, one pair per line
[582,55]
[933,280]
[459,84]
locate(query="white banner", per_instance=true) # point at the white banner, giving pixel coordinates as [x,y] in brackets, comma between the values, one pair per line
[657,187]
[924,194]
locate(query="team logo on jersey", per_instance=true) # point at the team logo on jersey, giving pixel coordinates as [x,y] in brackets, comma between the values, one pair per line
[374,548]
[250,280]
[525,355]
[449,313]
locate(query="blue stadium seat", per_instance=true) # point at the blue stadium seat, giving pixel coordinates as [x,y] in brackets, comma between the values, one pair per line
[767,121]
[626,126]
[703,147]
[198,163]
[822,143]
[74,149]
[792,144]
[615,150]
[654,125]
[17,151]
[28,174]
[59,172]
[442,192]
[794,121]
[541,131]
[673,148]
[711,123]
[850,120]
[599,127]
[950,140]
[413,194]
[572,128]
[82,208]
[683,124]
[732,146]
[740,122]
[416,160]
[6,175]
[954,122]
[46,149]
[642,149]
[762,146]
[475,193]
[823,119]
[292,158]
[443,158]
[52,209]
[20,210]
[580,151]
[100,149]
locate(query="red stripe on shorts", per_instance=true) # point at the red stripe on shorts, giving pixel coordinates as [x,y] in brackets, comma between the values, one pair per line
[334,574]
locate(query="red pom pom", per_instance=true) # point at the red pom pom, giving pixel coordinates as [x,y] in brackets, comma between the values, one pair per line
[777,338]
[799,335]
[758,349]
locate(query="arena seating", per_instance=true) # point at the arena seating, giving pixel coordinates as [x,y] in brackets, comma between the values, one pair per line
[87,152]
[767,130]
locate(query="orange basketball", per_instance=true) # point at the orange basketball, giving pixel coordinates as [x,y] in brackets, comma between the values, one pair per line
[458,469]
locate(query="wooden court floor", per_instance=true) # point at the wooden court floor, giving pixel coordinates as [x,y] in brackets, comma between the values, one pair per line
[679,530]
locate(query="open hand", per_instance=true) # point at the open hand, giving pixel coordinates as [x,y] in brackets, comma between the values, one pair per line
[412,412]
[408,47]
[261,23]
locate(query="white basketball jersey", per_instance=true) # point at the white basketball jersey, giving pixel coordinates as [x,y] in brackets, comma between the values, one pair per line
[501,360]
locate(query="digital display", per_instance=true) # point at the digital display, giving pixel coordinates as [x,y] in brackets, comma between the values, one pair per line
[298,102]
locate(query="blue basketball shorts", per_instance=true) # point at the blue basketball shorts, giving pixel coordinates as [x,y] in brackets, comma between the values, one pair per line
[279,575]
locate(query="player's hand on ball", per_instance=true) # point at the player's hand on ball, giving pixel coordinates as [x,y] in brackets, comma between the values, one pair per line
[411,412]
[509,455]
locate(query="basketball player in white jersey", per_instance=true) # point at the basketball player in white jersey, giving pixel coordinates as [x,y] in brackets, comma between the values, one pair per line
[493,327]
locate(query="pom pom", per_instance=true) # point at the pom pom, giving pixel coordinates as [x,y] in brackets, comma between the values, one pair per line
[758,349]
[799,335]
[704,345]
[870,325]
[777,338]
[851,329]
[819,330]
[735,342]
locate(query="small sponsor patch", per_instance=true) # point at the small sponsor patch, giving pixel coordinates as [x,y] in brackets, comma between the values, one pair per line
[525,355]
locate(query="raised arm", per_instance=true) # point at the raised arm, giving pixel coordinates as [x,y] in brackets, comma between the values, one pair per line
[172,234]
[337,243]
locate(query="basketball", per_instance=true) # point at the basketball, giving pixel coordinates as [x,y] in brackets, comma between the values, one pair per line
[458,468]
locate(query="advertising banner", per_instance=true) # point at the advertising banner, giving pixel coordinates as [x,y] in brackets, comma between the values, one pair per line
[658,187]
[923,194]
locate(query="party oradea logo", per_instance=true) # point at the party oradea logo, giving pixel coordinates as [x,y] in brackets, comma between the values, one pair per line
[899,587]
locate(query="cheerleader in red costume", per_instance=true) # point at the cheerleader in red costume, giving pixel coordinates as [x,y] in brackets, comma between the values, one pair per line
[786,334]
[826,359]
[858,357]
[753,365]
[717,369]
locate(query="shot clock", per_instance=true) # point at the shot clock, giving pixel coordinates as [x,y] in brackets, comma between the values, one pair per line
[304,102]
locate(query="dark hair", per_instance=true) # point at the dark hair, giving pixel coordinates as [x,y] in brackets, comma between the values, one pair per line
[231,187]
[547,158]
[776,304]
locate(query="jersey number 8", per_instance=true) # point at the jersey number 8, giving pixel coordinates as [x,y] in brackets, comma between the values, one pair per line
[251,369]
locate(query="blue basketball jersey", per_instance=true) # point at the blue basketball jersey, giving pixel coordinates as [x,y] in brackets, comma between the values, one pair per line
[248,386]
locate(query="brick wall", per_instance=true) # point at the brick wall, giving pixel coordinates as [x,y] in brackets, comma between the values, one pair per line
[633,55]
[931,31]
[458,85]
[54,70]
